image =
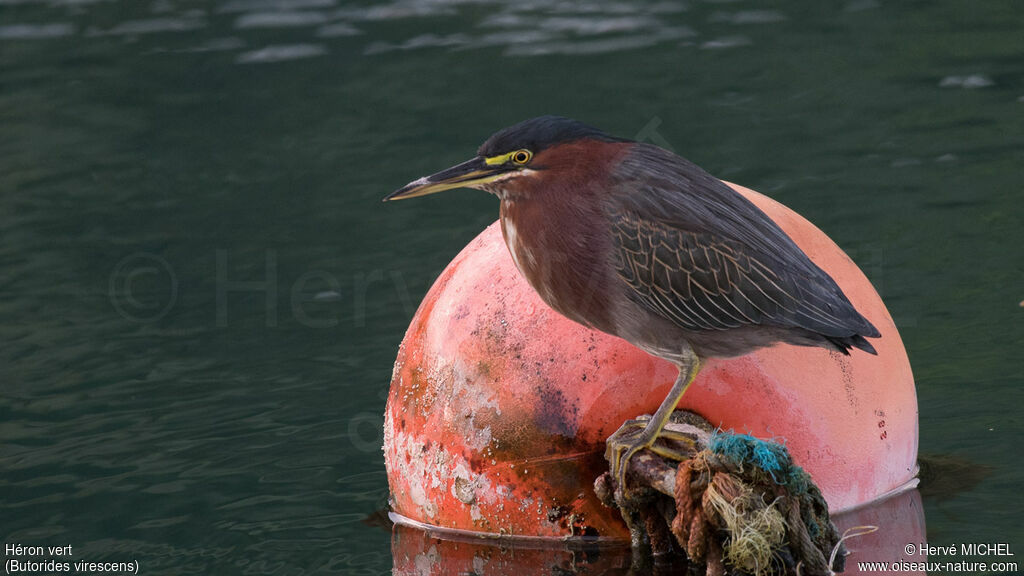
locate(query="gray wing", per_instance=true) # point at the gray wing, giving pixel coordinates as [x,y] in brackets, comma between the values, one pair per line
[698,253]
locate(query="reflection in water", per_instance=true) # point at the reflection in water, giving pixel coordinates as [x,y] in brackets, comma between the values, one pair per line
[946,476]
[899,518]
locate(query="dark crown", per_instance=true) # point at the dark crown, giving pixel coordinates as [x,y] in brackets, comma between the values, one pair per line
[539,133]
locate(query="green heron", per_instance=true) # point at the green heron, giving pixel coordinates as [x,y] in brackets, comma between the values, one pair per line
[633,240]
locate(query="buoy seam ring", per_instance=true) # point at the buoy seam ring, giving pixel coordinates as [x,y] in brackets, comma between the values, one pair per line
[520,540]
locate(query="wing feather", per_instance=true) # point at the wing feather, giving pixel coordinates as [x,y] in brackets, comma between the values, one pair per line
[695,251]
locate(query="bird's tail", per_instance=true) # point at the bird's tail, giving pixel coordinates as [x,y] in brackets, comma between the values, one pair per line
[845,344]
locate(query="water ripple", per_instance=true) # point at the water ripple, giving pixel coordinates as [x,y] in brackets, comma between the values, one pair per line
[271,5]
[602,46]
[338,29]
[286,19]
[749,17]
[595,26]
[281,53]
[217,45]
[397,11]
[422,41]
[150,26]
[513,37]
[725,42]
[969,81]
[534,28]
[527,28]
[36,31]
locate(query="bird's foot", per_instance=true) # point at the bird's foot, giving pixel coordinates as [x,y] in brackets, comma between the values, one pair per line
[636,435]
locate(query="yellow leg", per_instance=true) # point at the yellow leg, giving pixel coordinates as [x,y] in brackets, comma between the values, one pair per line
[627,441]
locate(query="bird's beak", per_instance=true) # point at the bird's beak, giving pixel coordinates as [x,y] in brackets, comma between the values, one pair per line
[466,175]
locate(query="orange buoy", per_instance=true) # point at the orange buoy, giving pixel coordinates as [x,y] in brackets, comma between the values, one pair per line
[499,407]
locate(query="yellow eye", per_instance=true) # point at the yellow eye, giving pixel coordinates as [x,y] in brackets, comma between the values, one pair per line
[521,157]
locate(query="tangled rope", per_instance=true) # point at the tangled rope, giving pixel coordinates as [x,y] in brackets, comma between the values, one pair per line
[774,517]
[740,504]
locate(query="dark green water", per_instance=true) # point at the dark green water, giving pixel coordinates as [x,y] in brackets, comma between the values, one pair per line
[156,155]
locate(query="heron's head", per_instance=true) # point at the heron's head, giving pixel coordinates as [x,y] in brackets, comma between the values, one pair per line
[526,152]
